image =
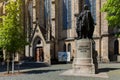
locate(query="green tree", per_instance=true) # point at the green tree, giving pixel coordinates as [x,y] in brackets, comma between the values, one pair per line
[112,7]
[12,37]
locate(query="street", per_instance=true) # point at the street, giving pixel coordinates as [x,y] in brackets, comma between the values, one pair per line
[53,73]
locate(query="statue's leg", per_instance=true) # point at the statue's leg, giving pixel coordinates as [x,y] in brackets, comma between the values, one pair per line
[77,34]
[80,36]
[84,34]
[90,34]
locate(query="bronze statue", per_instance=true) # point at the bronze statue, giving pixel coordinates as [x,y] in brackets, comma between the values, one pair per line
[85,24]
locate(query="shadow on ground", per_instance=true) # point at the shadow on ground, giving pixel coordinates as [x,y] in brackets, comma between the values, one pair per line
[41,71]
[25,65]
[107,69]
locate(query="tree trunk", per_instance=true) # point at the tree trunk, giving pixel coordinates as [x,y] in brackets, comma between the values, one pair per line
[13,63]
[8,66]
[18,66]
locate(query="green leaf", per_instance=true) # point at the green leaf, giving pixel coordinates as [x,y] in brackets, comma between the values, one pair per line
[112,8]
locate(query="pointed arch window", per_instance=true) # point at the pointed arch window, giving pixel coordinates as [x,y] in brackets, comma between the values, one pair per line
[67,14]
[47,11]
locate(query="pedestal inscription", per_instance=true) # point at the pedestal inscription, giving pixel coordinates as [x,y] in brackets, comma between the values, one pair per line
[83,62]
[83,49]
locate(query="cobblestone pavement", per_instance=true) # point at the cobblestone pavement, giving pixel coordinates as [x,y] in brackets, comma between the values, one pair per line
[53,73]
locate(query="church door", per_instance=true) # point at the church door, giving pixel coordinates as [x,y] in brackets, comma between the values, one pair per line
[39,54]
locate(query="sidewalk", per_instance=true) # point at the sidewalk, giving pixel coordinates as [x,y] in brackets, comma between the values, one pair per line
[53,73]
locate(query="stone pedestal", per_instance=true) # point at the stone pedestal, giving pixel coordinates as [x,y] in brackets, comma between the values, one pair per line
[83,61]
[118,58]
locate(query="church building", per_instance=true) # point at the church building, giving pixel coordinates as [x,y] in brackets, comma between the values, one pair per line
[50,26]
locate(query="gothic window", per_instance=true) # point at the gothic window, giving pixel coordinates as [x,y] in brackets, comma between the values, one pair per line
[47,11]
[30,13]
[66,14]
[92,6]
[30,18]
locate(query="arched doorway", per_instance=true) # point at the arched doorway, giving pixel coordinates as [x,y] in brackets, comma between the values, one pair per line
[69,50]
[39,56]
[69,47]
[38,52]
[64,47]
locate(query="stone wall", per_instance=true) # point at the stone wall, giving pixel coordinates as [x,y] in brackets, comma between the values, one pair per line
[61,36]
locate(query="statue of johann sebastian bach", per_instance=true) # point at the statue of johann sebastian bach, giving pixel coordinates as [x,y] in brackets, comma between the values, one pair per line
[85,24]
[85,61]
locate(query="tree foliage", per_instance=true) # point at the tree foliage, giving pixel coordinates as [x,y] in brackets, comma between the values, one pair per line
[112,7]
[11,29]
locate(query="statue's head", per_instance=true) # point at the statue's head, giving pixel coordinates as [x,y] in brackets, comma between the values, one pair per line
[86,7]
